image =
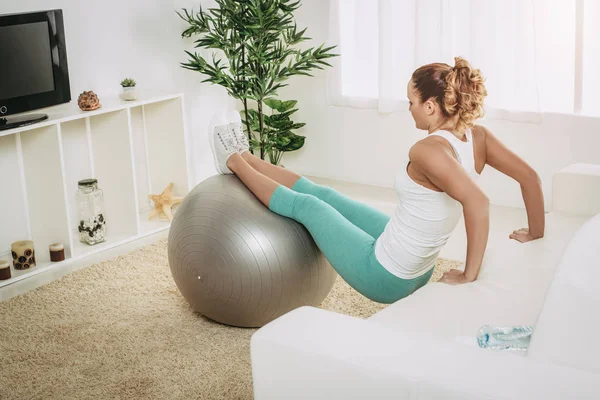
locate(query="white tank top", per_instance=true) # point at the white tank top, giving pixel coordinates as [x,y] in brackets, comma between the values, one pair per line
[423,220]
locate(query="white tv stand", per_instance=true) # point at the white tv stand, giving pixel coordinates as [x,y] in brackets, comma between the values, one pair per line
[133,148]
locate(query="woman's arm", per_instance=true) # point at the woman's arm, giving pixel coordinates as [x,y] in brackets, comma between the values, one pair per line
[504,160]
[444,171]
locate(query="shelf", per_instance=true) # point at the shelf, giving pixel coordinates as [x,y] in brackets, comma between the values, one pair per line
[76,144]
[17,275]
[71,111]
[44,183]
[83,249]
[134,149]
[14,223]
[113,167]
[148,227]
[142,167]
[164,149]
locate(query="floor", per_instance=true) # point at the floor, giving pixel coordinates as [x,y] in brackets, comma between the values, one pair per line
[503,220]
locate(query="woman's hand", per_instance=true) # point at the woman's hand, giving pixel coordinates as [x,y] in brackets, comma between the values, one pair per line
[454,277]
[522,235]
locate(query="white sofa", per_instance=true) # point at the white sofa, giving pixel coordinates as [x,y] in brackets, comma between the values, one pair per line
[424,346]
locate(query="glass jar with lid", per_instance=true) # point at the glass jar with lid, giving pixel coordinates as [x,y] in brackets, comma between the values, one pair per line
[90,212]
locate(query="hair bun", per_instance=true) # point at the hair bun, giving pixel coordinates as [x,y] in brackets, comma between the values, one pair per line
[464,94]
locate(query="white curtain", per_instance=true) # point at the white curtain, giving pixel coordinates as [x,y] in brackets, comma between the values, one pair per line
[536,55]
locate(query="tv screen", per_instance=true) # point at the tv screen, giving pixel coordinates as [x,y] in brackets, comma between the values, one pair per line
[33,62]
[26,55]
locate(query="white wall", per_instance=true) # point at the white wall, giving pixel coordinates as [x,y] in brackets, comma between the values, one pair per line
[108,40]
[368,147]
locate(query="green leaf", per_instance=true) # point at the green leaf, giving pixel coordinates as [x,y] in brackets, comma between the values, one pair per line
[279,125]
[298,125]
[273,103]
[287,105]
[254,144]
[292,142]
[252,118]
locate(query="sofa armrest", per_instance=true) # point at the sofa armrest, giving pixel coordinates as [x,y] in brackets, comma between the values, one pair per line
[576,190]
[311,353]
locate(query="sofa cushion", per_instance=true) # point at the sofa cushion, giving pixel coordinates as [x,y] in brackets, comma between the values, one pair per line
[567,329]
[510,289]
[576,190]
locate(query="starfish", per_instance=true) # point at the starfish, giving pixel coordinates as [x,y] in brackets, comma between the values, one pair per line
[163,203]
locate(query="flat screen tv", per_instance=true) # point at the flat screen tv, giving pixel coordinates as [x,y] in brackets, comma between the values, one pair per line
[33,65]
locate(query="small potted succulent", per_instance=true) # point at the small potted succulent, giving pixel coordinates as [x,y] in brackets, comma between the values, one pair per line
[129,92]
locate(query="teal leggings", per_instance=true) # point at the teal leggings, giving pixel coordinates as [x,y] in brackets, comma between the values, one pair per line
[345,231]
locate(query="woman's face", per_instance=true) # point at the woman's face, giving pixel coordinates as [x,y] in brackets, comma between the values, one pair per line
[416,108]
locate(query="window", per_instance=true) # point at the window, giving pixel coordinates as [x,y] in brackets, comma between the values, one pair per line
[536,55]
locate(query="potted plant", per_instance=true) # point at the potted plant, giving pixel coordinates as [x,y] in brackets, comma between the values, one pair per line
[129,91]
[255,43]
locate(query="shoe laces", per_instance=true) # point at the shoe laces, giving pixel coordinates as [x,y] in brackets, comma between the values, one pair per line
[227,140]
[237,129]
[239,133]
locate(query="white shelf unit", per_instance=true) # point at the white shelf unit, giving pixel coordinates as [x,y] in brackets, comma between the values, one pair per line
[133,148]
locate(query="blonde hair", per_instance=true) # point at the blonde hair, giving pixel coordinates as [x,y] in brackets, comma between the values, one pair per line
[458,90]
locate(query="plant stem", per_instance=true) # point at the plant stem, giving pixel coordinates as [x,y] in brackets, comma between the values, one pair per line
[260,127]
[245,100]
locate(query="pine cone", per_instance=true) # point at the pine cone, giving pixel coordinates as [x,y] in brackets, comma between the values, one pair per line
[88,101]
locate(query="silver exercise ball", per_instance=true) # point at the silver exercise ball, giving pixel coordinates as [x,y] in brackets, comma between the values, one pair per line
[237,262]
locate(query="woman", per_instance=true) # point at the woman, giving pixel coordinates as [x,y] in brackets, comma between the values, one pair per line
[388,258]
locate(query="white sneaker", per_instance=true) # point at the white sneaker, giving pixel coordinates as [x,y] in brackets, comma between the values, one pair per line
[235,126]
[223,145]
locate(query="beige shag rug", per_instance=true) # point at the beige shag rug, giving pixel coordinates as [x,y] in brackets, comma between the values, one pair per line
[121,330]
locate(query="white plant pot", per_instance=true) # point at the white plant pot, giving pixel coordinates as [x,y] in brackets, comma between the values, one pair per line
[129,93]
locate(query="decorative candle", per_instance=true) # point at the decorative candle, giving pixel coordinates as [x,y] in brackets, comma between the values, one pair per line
[23,254]
[57,252]
[4,270]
